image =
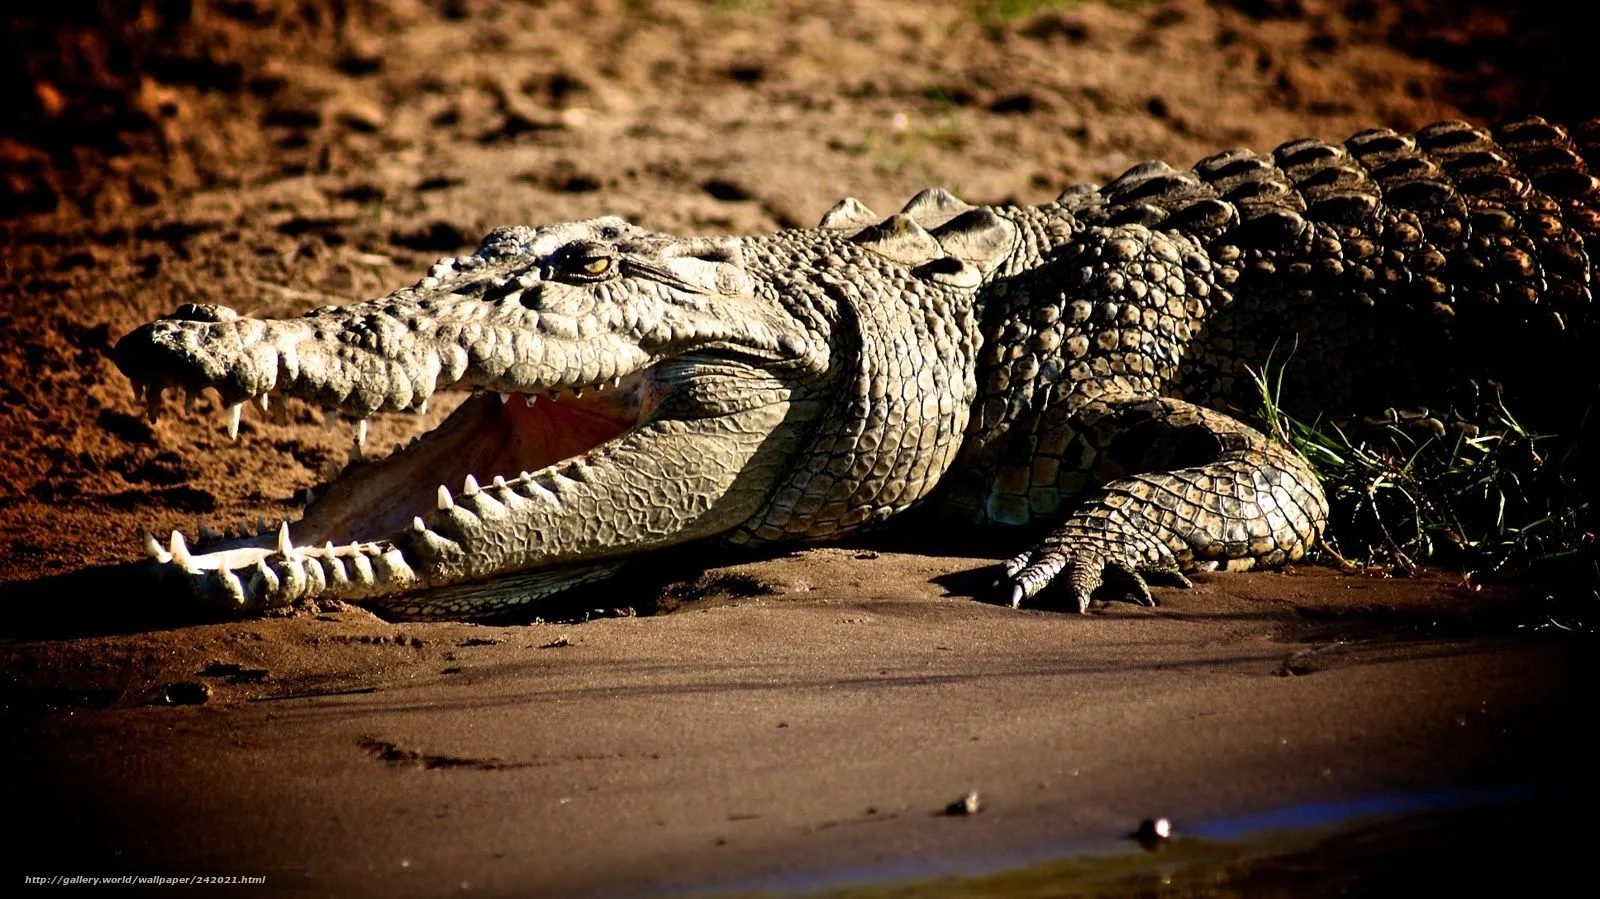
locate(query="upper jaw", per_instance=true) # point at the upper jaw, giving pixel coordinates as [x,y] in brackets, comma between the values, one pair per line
[362,360]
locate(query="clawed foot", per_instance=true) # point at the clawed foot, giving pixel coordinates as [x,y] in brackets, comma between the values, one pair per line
[1086,569]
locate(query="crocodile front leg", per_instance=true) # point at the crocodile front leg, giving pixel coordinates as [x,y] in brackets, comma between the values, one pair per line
[1199,488]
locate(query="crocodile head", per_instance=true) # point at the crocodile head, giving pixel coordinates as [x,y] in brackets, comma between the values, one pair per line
[628,388]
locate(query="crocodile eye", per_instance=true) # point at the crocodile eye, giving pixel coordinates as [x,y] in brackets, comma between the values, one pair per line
[584,262]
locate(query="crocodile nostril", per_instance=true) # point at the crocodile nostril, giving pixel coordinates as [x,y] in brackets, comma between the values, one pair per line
[531,296]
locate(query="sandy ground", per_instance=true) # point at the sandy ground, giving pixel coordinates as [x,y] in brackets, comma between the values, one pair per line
[793,718]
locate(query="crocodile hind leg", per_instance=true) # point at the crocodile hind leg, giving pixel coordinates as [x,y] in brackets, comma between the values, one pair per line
[1196,487]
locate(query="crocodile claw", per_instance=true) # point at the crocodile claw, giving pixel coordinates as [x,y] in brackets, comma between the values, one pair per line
[1086,570]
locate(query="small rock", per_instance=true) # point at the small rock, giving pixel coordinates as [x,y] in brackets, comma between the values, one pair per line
[966,805]
[1153,832]
[185,693]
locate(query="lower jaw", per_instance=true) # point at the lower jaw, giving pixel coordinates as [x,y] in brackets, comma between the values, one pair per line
[355,541]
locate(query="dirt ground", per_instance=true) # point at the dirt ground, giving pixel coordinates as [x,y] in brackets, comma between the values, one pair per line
[276,155]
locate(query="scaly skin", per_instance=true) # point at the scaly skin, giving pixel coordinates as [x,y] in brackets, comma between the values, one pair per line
[1064,367]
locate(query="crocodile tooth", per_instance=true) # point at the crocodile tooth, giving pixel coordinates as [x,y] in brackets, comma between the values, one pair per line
[363,569]
[577,392]
[469,486]
[155,549]
[264,402]
[234,586]
[233,420]
[269,579]
[529,399]
[261,524]
[207,532]
[616,381]
[422,408]
[355,454]
[330,415]
[285,545]
[361,431]
[152,403]
[308,496]
[505,398]
[180,551]
[444,499]
[418,526]
[499,481]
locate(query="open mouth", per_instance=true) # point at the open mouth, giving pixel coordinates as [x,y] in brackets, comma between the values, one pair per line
[492,442]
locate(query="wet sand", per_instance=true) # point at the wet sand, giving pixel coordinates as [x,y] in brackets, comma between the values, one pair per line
[809,735]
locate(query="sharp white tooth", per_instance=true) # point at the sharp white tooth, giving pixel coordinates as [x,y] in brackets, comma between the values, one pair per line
[234,586]
[155,549]
[470,486]
[418,526]
[616,381]
[180,550]
[233,420]
[361,431]
[264,403]
[330,416]
[269,578]
[445,502]
[422,408]
[505,398]
[529,399]
[285,545]
[499,481]
[207,532]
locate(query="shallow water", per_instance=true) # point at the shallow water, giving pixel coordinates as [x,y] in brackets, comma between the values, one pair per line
[1434,843]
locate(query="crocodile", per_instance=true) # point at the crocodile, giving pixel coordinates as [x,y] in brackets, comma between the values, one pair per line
[1076,370]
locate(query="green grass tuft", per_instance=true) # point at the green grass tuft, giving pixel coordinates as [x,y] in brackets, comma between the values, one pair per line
[1500,501]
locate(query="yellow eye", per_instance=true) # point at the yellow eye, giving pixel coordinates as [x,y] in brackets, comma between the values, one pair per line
[597,266]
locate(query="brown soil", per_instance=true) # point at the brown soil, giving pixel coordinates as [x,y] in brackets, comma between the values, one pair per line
[276,155]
